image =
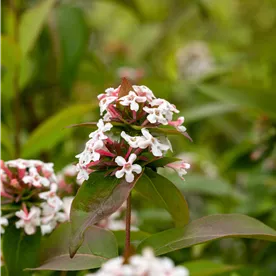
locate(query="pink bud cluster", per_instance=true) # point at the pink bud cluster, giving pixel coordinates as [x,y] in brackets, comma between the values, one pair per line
[141,265]
[127,136]
[30,187]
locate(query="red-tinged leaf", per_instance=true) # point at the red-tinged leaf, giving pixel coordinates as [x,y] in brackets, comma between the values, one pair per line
[208,229]
[97,198]
[163,193]
[99,245]
[124,88]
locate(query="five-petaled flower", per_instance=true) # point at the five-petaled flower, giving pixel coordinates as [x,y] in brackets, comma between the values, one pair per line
[127,167]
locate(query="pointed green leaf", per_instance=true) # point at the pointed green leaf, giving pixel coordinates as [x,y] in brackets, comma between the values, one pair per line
[97,198]
[163,193]
[135,237]
[207,268]
[52,131]
[31,24]
[99,245]
[208,229]
[20,250]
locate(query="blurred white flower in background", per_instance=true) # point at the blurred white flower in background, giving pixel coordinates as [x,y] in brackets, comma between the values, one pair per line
[141,265]
[195,60]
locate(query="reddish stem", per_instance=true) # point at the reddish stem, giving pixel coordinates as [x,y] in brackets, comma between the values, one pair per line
[127,252]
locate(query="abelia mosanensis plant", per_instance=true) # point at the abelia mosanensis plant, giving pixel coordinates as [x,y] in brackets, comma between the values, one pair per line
[68,187]
[141,265]
[30,187]
[129,135]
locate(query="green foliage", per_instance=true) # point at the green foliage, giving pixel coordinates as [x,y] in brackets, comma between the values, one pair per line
[28,31]
[164,194]
[20,251]
[97,198]
[98,246]
[208,229]
[52,131]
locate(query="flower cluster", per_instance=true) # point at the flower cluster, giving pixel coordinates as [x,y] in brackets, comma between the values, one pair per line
[30,187]
[147,264]
[68,186]
[128,135]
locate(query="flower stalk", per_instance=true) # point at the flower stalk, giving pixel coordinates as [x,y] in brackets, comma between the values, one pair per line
[127,252]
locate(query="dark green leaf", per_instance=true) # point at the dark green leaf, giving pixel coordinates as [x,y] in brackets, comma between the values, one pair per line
[136,237]
[97,198]
[164,194]
[72,30]
[208,229]
[99,245]
[28,30]
[51,131]
[20,251]
[163,162]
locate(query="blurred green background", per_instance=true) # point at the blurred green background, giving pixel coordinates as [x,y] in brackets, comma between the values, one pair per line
[214,59]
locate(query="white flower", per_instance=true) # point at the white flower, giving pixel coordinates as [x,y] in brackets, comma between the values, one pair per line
[160,109]
[82,173]
[99,133]
[178,124]
[90,152]
[105,102]
[180,168]
[4,222]
[135,141]
[52,199]
[155,115]
[156,146]
[141,265]
[109,92]
[132,100]
[143,91]
[50,218]
[35,178]
[28,220]
[128,167]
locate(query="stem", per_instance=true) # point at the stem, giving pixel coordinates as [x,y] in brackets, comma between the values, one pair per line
[16,84]
[127,252]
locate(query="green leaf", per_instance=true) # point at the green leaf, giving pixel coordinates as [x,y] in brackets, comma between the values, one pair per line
[199,184]
[6,140]
[161,162]
[207,268]
[20,250]
[73,34]
[163,193]
[135,237]
[52,131]
[31,24]
[99,245]
[209,110]
[208,229]
[259,100]
[97,198]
